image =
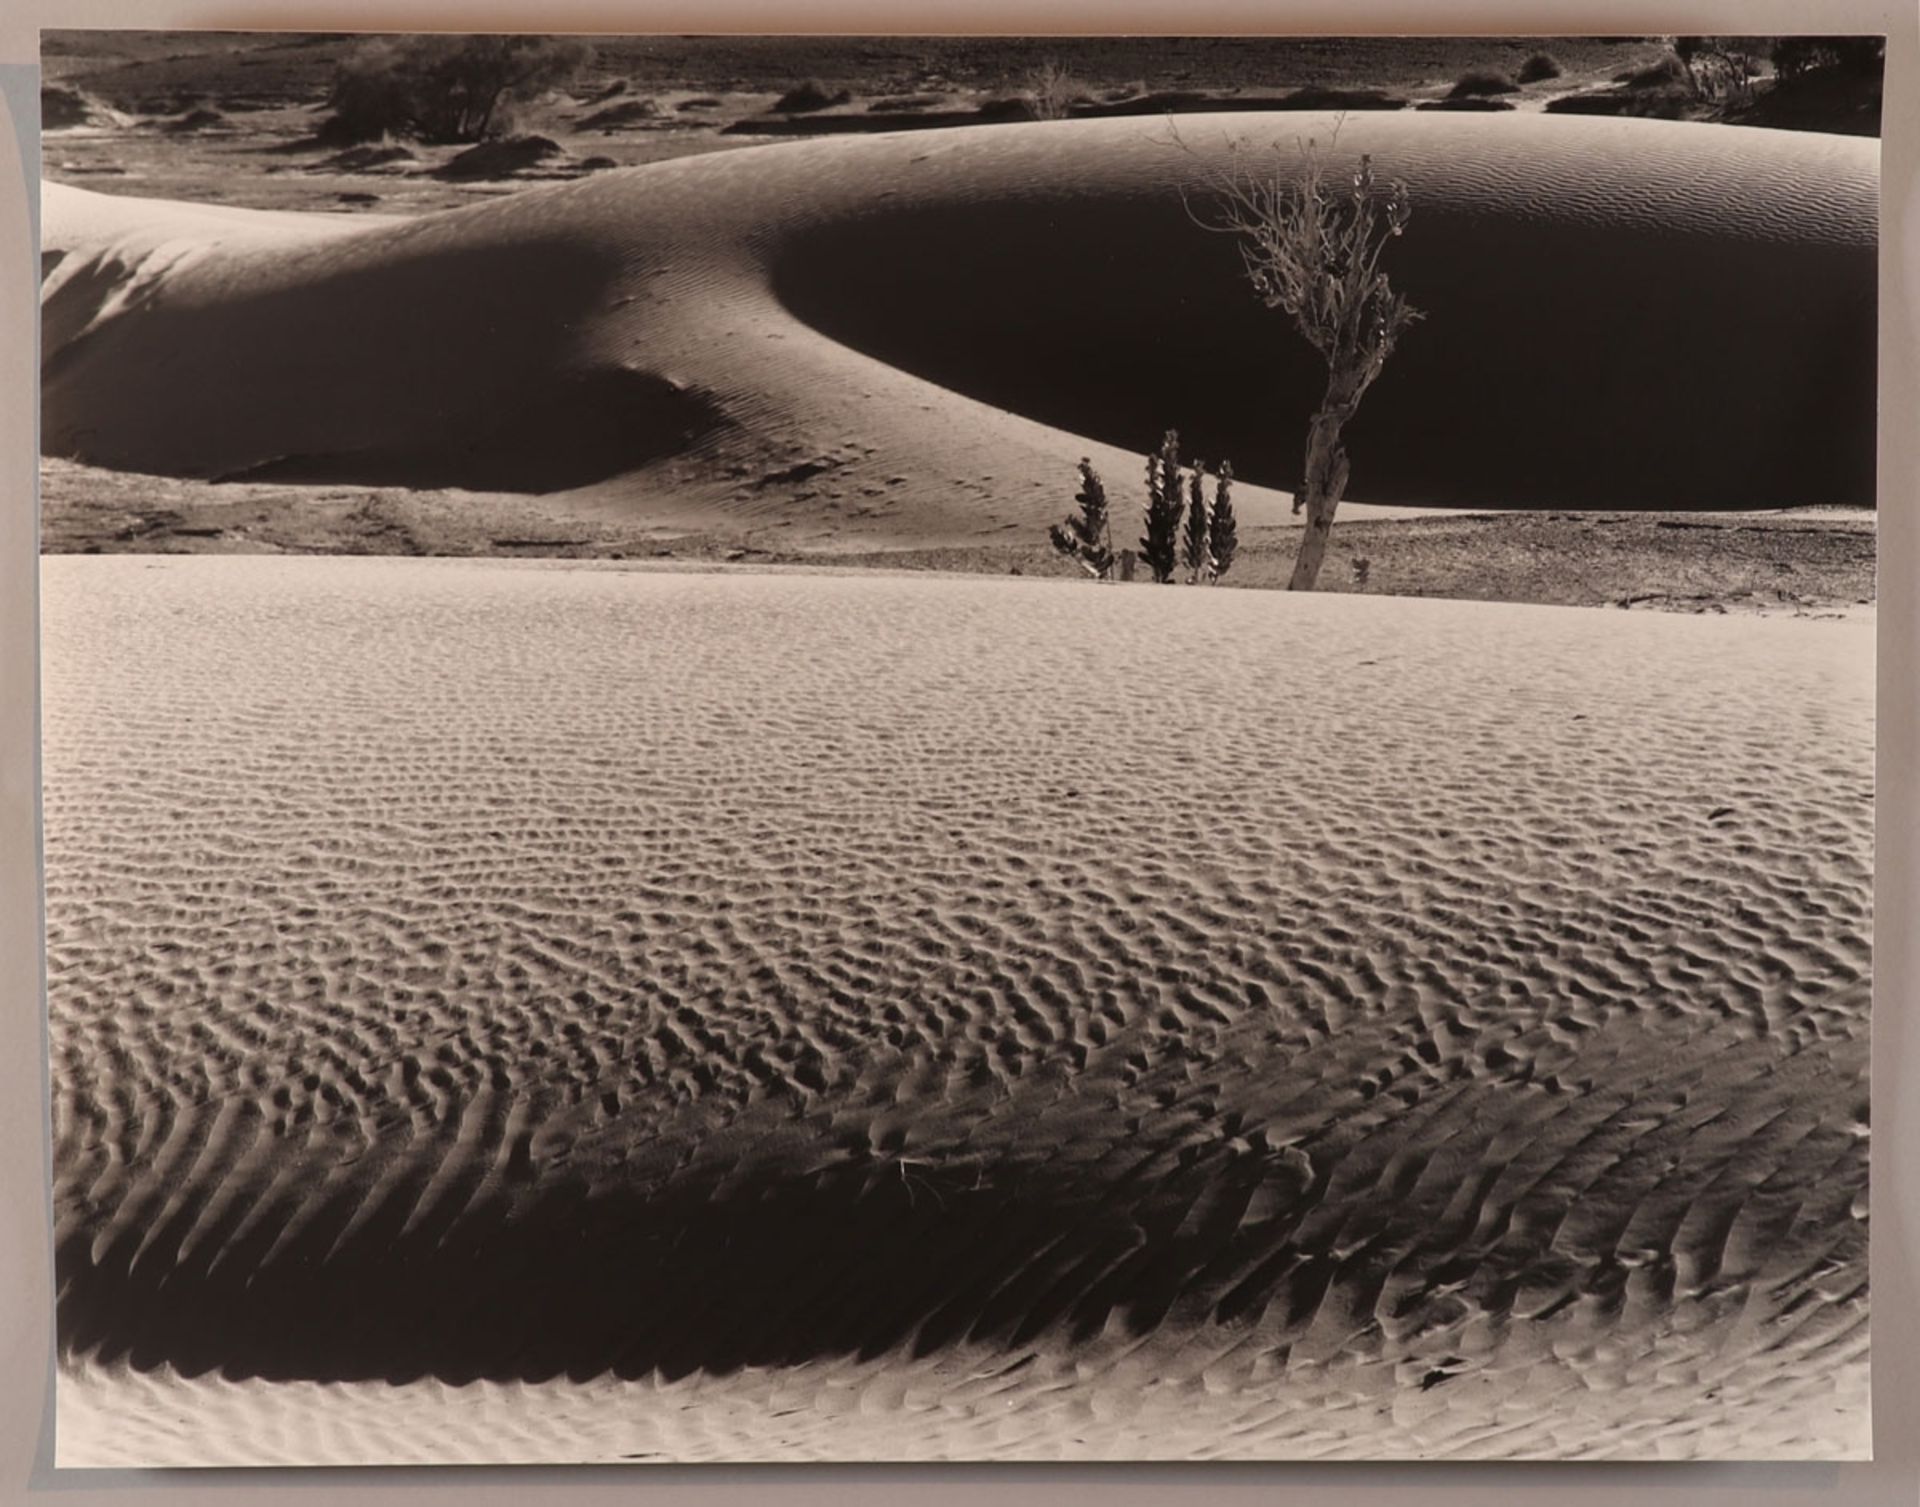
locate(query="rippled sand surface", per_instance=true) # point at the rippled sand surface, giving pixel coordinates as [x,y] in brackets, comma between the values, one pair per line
[552,1012]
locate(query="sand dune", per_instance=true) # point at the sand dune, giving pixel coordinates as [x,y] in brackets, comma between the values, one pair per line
[1284,1026]
[913,337]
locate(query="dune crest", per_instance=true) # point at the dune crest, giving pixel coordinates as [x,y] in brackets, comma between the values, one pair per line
[914,337]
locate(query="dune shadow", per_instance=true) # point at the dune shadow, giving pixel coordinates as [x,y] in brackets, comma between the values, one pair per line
[400,361]
[579,429]
[1560,364]
[859,1261]
[462,1260]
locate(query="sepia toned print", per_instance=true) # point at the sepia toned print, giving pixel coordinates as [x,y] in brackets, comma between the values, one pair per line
[936,748]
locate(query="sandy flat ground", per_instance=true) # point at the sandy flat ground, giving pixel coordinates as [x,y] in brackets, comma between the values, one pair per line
[533,1011]
[1815,561]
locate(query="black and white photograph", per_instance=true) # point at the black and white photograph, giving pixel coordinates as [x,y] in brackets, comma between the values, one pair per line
[956,748]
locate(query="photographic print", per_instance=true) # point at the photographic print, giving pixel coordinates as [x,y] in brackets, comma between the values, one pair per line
[958,748]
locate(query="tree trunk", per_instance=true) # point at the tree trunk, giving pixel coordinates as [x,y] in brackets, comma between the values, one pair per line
[1320,492]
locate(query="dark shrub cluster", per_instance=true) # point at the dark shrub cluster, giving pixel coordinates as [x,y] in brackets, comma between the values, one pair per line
[1183,526]
[444,88]
[1481,84]
[1794,57]
[811,95]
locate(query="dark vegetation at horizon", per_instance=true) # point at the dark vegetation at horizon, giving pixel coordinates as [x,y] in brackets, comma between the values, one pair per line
[1835,82]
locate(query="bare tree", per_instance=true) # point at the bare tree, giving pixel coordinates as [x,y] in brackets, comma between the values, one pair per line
[1311,245]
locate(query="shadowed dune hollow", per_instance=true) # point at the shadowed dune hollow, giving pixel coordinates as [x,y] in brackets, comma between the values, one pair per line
[1621,314]
[1386,988]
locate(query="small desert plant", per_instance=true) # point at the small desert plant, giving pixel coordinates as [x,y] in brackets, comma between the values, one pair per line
[1160,544]
[1480,84]
[1087,536]
[1311,247]
[1223,531]
[1212,534]
[1542,65]
[1196,541]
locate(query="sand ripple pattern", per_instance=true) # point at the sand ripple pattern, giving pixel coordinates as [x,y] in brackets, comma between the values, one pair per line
[1299,1026]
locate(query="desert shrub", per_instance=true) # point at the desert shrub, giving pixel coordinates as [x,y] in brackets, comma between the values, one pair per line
[1223,530]
[1166,502]
[810,95]
[1086,537]
[1794,57]
[1718,68]
[1314,97]
[1542,65]
[1052,92]
[1480,84]
[1821,84]
[1182,528]
[62,106]
[1666,104]
[1669,72]
[1481,106]
[1196,552]
[624,113]
[500,158]
[443,89]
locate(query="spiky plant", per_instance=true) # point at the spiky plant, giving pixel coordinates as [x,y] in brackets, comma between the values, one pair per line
[1087,536]
[1196,551]
[1223,533]
[1160,544]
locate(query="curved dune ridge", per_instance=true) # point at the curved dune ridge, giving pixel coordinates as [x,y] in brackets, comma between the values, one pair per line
[887,336]
[1377,1028]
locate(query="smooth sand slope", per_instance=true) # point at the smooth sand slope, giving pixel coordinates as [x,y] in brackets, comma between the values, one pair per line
[725,1016]
[913,337]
